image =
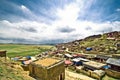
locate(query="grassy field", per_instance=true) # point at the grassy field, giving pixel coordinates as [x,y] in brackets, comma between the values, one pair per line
[24,50]
[108,78]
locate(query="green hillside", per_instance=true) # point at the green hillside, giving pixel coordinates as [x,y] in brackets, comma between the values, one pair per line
[103,43]
[24,50]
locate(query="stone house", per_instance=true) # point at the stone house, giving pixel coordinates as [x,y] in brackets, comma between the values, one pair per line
[48,69]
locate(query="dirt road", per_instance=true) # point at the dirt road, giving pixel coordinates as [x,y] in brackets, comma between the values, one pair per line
[75,76]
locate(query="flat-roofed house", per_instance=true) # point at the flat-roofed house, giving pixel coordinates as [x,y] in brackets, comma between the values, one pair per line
[116,56]
[92,65]
[68,56]
[102,58]
[79,61]
[114,69]
[114,64]
[48,69]
[3,54]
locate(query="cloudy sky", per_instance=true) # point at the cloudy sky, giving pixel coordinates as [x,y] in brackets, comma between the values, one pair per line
[56,21]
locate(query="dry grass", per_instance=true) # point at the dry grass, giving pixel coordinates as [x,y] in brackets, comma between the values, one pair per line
[10,70]
[108,78]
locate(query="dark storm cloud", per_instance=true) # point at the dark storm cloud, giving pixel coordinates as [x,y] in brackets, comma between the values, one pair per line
[16,40]
[29,29]
[66,29]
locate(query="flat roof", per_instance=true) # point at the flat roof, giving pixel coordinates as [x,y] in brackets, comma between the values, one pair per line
[47,61]
[80,59]
[68,55]
[94,64]
[116,55]
[113,61]
[2,51]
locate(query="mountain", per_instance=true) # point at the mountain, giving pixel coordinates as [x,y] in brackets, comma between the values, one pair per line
[107,43]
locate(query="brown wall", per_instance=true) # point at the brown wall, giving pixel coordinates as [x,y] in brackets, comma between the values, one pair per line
[90,73]
[38,71]
[56,71]
[113,73]
[48,73]
[2,53]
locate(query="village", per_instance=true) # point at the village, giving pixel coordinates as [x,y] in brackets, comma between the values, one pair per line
[65,62]
[59,39]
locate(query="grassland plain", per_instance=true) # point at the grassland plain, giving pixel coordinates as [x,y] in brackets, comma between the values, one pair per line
[24,50]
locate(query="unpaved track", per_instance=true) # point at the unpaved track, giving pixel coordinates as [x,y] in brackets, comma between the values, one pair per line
[75,76]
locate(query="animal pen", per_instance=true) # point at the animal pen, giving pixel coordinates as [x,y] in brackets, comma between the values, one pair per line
[48,69]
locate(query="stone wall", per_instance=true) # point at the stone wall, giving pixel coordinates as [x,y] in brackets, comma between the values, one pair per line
[38,71]
[113,73]
[90,74]
[56,71]
[48,73]
[94,75]
[2,53]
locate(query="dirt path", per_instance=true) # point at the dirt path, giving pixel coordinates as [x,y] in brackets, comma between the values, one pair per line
[75,76]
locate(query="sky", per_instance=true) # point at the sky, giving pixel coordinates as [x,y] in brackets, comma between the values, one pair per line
[56,21]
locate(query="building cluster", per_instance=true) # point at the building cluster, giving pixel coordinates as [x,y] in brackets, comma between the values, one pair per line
[93,65]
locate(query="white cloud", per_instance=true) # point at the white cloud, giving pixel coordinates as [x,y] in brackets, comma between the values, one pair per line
[23,7]
[67,17]
[27,12]
[48,32]
[69,13]
[118,9]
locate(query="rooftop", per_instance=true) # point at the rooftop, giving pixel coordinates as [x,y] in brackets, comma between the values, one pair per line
[95,64]
[80,59]
[113,61]
[47,61]
[68,55]
[2,51]
[103,56]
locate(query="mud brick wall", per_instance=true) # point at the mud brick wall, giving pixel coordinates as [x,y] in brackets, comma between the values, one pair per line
[47,73]
[113,73]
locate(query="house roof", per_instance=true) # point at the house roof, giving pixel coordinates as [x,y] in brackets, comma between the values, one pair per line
[113,61]
[75,60]
[102,56]
[78,55]
[94,64]
[68,55]
[68,62]
[2,51]
[80,59]
[116,55]
[47,61]
[90,55]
